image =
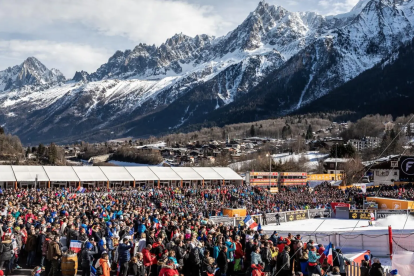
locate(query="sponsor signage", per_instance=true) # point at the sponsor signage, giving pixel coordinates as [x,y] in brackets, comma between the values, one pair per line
[359,214]
[297,215]
[263,173]
[406,166]
[387,213]
[274,190]
[391,203]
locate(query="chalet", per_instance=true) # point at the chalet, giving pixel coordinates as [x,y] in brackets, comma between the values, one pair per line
[386,172]
[339,163]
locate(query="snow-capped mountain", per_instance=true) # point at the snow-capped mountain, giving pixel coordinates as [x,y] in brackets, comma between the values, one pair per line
[31,74]
[273,63]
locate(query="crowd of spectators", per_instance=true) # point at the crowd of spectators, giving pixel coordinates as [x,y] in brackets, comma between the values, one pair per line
[164,231]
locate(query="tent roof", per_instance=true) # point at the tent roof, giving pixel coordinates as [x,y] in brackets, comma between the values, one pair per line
[227,173]
[57,173]
[187,173]
[6,174]
[165,173]
[208,173]
[141,173]
[89,173]
[28,173]
[117,174]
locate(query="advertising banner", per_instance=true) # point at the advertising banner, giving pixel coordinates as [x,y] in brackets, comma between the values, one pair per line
[406,166]
[392,203]
[359,214]
[297,215]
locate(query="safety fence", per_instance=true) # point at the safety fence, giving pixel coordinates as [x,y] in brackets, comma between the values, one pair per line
[297,215]
[235,221]
[270,218]
[355,270]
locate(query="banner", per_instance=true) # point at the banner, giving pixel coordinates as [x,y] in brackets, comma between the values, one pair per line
[339,204]
[360,214]
[392,203]
[297,215]
[387,213]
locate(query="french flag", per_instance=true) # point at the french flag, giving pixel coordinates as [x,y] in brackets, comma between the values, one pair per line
[75,246]
[249,222]
[80,189]
[328,254]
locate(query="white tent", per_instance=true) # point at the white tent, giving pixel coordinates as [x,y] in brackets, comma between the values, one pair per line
[6,174]
[29,173]
[165,173]
[89,173]
[187,173]
[227,173]
[116,173]
[142,173]
[208,173]
[58,173]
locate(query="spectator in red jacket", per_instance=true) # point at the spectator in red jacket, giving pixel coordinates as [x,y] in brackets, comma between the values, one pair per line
[168,269]
[149,259]
[320,252]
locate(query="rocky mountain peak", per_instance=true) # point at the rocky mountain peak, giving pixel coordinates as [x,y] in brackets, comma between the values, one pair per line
[31,72]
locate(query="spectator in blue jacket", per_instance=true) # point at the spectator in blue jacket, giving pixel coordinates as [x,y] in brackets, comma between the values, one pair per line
[124,256]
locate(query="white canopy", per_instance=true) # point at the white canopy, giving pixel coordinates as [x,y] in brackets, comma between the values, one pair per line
[89,173]
[6,174]
[142,173]
[227,173]
[29,173]
[116,173]
[165,173]
[64,174]
[208,173]
[187,173]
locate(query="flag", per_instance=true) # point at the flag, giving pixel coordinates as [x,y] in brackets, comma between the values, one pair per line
[249,222]
[259,227]
[156,223]
[75,246]
[80,189]
[364,188]
[328,254]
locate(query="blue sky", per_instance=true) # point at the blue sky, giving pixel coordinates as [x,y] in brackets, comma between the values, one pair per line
[74,35]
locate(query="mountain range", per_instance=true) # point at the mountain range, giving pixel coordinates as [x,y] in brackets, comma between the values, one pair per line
[276,62]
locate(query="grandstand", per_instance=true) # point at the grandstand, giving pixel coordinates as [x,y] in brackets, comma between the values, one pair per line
[110,177]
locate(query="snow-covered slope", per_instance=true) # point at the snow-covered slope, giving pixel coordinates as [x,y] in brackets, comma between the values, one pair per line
[187,80]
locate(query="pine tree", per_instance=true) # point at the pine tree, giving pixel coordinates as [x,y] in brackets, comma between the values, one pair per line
[309,133]
[252,131]
[41,150]
[1,130]
[52,154]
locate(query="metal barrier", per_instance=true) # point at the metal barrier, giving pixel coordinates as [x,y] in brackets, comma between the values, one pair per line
[355,270]
[298,215]
[235,221]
